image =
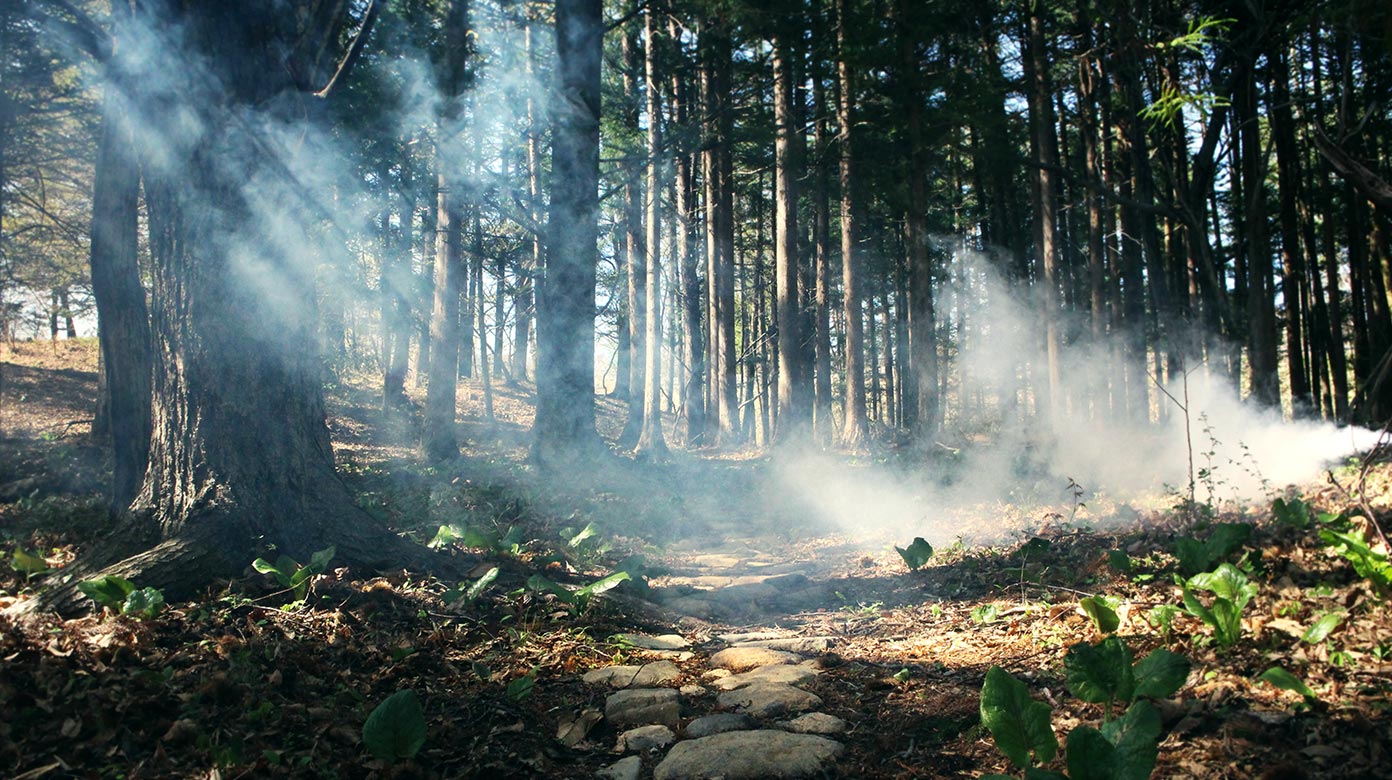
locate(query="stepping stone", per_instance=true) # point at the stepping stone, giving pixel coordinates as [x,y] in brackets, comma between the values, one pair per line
[693,691]
[625,769]
[649,642]
[742,659]
[747,755]
[792,644]
[643,707]
[645,738]
[651,675]
[816,723]
[773,673]
[769,700]
[750,637]
[718,723]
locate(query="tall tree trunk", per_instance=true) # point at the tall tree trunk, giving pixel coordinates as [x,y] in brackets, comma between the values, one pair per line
[441,396]
[854,426]
[122,318]
[524,308]
[1044,143]
[823,424]
[564,423]
[792,411]
[1293,255]
[636,252]
[717,164]
[650,441]
[693,343]
[1261,319]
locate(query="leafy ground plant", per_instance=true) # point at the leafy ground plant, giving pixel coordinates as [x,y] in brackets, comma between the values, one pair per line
[1223,541]
[917,554]
[291,575]
[468,593]
[579,598]
[121,596]
[395,730]
[1231,593]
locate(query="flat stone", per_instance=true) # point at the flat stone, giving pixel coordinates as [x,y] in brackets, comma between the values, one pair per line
[693,606]
[718,723]
[693,691]
[791,644]
[625,769]
[742,659]
[788,582]
[749,637]
[746,755]
[655,674]
[816,723]
[645,738]
[650,642]
[769,700]
[642,707]
[773,673]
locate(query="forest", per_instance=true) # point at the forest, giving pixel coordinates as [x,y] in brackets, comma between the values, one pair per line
[695,388]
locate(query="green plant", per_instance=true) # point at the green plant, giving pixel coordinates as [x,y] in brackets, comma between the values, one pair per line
[1104,673]
[476,538]
[1353,546]
[985,613]
[1102,611]
[580,598]
[1161,616]
[291,575]
[1287,682]
[396,728]
[27,563]
[522,687]
[1294,513]
[1197,556]
[1023,728]
[121,596]
[1119,561]
[1323,627]
[1231,593]
[468,594]
[916,555]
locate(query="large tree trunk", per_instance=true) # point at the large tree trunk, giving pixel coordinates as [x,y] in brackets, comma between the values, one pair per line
[854,428]
[564,426]
[792,408]
[635,262]
[438,433]
[240,455]
[1044,144]
[717,164]
[123,320]
[693,344]
[650,442]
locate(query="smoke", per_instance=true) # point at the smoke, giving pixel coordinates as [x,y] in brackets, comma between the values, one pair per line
[1003,463]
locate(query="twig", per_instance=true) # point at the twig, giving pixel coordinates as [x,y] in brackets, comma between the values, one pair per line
[1380,448]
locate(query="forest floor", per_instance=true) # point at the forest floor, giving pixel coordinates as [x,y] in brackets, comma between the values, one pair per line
[723,550]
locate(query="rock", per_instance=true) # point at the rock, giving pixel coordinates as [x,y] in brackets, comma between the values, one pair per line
[768,700]
[774,673]
[645,738]
[718,723]
[649,642]
[693,691]
[693,606]
[625,769]
[642,707]
[816,723]
[750,637]
[788,582]
[742,659]
[577,726]
[716,674]
[791,644]
[746,755]
[651,675]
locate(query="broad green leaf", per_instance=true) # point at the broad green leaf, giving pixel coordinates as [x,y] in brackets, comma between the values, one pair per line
[600,586]
[1369,563]
[1119,561]
[1227,622]
[1135,735]
[396,728]
[1320,629]
[444,536]
[514,538]
[916,555]
[478,539]
[1294,513]
[319,561]
[1090,755]
[28,563]
[1227,582]
[585,533]
[521,688]
[145,603]
[1286,681]
[481,584]
[540,584]
[107,590]
[1160,674]
[266,567]
[1102,610]
[1035,545]
[1100,673]
[1020,724]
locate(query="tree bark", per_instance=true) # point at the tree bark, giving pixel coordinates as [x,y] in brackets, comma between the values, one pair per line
[792,412]
[650,441]
[854,428]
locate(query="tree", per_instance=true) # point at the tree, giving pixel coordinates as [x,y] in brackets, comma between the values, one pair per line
[564,426]
[854,426]
[650,441]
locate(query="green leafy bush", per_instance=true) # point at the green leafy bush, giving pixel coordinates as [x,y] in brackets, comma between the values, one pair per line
[916,555]
[121,596]
[1353,546]
[396,728]
[1102,611]
[1294,513]
[1023,727]
[580,598]
[291,575]
[1231,593]
[476,538]
[1197,556]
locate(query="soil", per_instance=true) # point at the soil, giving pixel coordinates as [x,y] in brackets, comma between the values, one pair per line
[248,681]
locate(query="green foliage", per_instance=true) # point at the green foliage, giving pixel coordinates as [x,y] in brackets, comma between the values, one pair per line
[28,564]
[522,687]
[396,728]
[1223,540]
[1322,627]
[1294,513]
[1160,674]
[1287,682]
[1353,546]
[475,538]
[121,596]
[1231,593]
[468,594]
[1161,616]
[1124,749]
[1021,725]
[916,555]
[1102,611]
[579,599]
[291,575]
[1119,561]
[985,613]
[1103,673]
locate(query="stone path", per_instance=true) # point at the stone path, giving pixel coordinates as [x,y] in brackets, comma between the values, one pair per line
[738,705]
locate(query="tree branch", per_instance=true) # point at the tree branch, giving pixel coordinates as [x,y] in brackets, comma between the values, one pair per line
[1368,183]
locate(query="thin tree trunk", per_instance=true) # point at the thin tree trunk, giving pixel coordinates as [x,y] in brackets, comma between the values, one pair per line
[792,410]
[650,440]
[854,428]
